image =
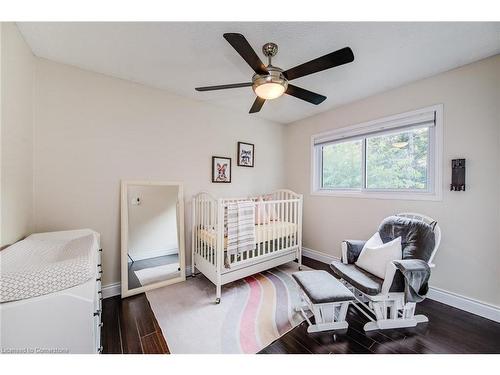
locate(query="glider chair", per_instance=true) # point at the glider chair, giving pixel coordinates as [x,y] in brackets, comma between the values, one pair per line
[390,302]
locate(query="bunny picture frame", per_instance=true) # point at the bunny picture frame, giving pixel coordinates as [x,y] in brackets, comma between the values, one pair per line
[221,169]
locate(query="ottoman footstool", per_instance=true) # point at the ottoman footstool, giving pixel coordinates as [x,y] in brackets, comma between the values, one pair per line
[326,297]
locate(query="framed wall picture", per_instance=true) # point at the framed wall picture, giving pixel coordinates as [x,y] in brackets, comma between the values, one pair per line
[246,155]
[221,169]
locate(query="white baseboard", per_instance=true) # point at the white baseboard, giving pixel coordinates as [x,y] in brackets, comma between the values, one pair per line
[111,290]
[468,304]
[458,301]
[319,256]
[114,289]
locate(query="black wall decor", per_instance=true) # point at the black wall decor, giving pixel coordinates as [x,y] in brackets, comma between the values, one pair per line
[457,175]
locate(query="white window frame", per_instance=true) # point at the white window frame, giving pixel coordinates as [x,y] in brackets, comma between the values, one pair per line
[434,190]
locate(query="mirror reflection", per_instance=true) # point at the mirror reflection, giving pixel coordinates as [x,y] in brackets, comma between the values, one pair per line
[153,234]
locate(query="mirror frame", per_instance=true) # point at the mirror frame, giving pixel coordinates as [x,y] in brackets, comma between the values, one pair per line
[125,292]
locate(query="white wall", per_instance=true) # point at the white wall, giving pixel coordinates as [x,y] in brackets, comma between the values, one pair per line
[92,130]
[152,224]
[16,154]
[469,257]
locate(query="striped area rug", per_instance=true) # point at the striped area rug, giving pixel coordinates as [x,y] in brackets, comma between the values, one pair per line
[253,312]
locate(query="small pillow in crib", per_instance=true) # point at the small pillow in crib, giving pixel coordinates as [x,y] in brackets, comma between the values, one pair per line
[261,216]
[271,209]
[376,255]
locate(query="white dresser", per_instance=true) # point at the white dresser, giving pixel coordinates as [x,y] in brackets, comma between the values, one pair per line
[51,294]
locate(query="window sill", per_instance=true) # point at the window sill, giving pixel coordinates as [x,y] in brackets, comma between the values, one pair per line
[379,195]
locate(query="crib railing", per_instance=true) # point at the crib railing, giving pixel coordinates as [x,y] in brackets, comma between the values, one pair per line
[278,228]
[274,233]
[205,211]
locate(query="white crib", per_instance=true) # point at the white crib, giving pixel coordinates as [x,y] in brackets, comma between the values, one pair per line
[276,241]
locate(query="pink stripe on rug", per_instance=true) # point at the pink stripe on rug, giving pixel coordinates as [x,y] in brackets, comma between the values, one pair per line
[266,322]
[248,334]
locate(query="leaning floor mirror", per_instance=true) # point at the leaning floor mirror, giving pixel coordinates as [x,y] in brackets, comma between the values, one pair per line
[152,235]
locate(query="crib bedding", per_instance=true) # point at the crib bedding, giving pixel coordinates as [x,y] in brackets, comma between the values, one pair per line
[263,232]
[44,263]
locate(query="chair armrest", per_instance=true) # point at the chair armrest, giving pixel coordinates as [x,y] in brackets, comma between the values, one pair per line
[351,250]
[411,265]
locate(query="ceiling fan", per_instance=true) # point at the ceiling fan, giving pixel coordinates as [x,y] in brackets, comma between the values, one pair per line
[270,82]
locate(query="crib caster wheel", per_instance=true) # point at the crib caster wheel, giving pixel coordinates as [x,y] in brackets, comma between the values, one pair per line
[217,301]
[300,268]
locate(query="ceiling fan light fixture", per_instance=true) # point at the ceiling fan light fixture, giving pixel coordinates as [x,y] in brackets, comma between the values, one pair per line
[269,90]
[270,86]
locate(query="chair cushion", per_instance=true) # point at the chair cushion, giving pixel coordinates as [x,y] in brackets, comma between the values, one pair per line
[358,278]
[417,237]
[321,287]
[354,248]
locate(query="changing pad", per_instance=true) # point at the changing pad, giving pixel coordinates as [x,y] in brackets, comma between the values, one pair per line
[44,263]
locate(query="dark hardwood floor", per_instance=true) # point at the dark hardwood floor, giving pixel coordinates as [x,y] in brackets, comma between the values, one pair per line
[130,327]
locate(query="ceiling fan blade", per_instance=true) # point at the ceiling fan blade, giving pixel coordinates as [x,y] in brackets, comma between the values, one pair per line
[331,60]
[241,45]
[223,87]
[304,94]
[257,105]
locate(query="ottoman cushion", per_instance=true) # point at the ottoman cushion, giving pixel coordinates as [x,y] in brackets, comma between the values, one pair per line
[322,287]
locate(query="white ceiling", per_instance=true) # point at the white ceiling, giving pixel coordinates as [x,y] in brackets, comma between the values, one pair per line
[181,56]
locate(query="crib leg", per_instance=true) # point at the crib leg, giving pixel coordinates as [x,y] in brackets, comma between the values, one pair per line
[193,272]
[218,294]
[299,257]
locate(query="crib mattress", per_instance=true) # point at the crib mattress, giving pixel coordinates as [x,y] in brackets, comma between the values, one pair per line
[44,263]
[263,232]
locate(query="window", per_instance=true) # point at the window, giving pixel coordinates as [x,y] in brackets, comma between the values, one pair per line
[395,157]
[341,165]
[398,161]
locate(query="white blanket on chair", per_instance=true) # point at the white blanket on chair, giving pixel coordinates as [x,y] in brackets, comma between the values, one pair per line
[240,227]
